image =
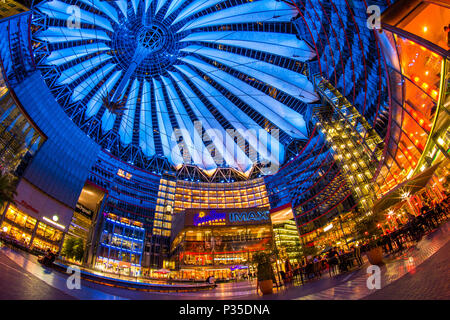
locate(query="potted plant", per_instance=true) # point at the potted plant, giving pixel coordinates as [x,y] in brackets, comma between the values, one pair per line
[264,273]
[368,229]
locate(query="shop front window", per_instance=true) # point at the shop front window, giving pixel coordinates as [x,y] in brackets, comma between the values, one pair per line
[43,245]
[16,233]
[48,233]
[20,219]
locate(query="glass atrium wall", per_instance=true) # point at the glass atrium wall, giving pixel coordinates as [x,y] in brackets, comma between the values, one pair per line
[416,53]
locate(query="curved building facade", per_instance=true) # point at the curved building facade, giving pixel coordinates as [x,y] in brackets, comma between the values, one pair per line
[132,114]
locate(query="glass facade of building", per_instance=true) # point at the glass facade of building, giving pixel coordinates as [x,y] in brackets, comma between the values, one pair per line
[19,136]
[220,242]
[121,246]
[287,240]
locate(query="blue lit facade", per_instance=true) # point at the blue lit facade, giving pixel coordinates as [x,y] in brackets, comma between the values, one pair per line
[131,194]
[349,53]
[121,246]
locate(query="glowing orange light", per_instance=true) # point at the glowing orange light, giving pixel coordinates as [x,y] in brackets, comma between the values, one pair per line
[434,93]
[425,85]
[425,29]
[409,158]
[421,121]
[416,79]
[426,73]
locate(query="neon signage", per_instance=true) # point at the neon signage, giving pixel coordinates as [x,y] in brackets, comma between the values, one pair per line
[229,217]
[209,218]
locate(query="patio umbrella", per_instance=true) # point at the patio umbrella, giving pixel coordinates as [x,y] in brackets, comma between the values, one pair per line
[408,187]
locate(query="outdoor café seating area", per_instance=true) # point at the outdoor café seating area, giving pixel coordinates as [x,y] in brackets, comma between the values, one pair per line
[393,242]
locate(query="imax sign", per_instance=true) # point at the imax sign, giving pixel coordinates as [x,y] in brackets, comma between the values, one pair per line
[249,216]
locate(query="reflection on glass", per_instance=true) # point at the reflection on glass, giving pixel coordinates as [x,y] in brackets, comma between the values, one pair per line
[428,21]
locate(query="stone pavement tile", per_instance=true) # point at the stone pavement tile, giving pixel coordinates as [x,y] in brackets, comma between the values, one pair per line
[28,266]
[429,281]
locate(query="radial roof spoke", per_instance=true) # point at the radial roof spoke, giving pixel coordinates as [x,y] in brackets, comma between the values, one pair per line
[293,83]
[65,55]
[230,152]
[191,137]
[243,124]
[257,11]
[96,102]
[63,34]
[170,146]
[126,125]
[284,117]
[104,7]
[285,45]
[146,140]
[88,85]
[73,15]
[195,7]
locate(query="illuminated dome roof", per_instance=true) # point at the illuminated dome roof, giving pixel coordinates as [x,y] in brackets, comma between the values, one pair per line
[197,82]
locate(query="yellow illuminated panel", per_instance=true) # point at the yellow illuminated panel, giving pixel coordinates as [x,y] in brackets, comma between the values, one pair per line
[124,174]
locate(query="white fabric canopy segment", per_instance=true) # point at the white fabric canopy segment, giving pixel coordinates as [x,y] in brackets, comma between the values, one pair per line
[191,137]
[230,152]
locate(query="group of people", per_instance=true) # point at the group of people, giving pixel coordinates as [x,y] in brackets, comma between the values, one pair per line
[334,260]
[432,214]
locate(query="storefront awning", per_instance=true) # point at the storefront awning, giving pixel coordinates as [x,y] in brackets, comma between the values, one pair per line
[404,189]
[164,271]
